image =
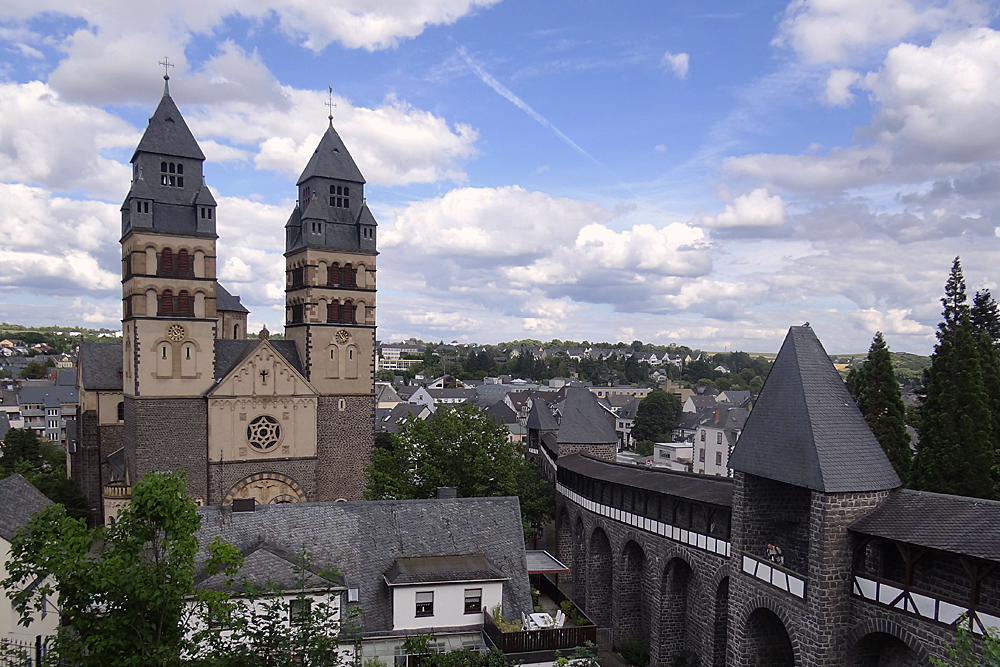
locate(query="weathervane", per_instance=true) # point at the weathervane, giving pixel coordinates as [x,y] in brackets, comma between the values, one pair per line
[330,104]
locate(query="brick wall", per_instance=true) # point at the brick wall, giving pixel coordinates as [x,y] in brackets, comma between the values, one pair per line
[223,477]
[344,441]
[167,434]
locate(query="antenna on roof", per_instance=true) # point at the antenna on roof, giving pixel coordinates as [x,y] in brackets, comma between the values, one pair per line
[166,65]
[331,105]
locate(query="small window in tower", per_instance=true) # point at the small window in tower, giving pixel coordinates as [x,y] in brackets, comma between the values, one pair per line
[180,169]
[163,179]
[333,201]
[180,181]
[163,352]
[172,168]
[340,190]
[347,203]
[339,202]
[187,352]
[173,180]
[163,167]
[347,192]
[236,331]
[145,206]
[209,213]
[333,190]
[202,212]
[138,207]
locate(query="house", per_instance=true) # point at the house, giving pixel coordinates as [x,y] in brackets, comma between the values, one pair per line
[698,402]
[390,419]
[19,501]
[46,410]
[673,455]
[386,396]
[419,396]
[624,421]
[451,396]
[718,431]
[736,398]
[410,566]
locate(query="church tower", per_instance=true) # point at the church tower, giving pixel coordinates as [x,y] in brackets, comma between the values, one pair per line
[330,310]
[169,320]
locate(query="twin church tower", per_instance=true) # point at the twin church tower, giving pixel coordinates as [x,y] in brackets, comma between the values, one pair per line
[247,417]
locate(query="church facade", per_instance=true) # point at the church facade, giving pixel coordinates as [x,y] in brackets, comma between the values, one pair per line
[246,417]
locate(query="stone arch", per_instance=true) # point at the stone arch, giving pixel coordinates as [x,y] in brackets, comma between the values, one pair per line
[564,541]
[674,603]
[600,563]
[767,639]
[883,643]
[351,361]
[332,361]
[267,488]
[580,559]
[631,603]
[720,625]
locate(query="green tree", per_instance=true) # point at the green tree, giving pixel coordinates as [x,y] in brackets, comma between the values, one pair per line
[122,589]
[985,319]
[43,463]
[955,452]
[461,447]
[657,415]
[962,649]
[880,401]
[34,371]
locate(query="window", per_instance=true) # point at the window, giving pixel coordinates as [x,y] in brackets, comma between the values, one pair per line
[718,438]
[425,603]
[473,600]
[121,411]
[183,303]
[701,454]
[298,277]
[236,331]
[183,262]
[297,314]
[298,611]
[718,458]
[167,303]
[166,261]
[339,196]
[170,174]
[333,274]
[703,435]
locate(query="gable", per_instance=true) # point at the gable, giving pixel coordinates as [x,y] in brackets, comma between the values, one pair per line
[263,372]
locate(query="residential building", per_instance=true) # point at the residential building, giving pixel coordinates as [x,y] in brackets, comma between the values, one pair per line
[673,455]
[718,431]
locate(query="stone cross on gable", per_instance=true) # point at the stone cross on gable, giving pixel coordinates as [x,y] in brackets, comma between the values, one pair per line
[263,376]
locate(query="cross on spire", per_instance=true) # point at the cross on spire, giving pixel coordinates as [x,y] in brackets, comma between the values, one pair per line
[330,104]
[166,65]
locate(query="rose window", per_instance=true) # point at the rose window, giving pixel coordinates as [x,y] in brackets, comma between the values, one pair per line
[263,433]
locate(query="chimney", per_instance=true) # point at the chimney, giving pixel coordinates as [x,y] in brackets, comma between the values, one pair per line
[244,504]
[447,492]
[717,415]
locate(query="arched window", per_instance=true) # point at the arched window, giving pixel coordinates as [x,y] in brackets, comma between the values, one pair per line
[166,261]
[333,273]
[333,189]
[167,303]
[183,263]
[347,202]
[163,167]
[333,312]
[236,331]
[180,169]
[121,411]
[183,303]
[347,313]
[348,280]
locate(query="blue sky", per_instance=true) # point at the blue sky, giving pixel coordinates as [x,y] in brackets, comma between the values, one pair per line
[700,173]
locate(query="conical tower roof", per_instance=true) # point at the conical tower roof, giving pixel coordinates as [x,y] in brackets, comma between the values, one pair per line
[805,429]
[332,160]
[168,134]
[584,421]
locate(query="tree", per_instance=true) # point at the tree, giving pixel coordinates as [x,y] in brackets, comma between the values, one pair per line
[955,452]
[43,463]
[657,415]
[985,319]
[461,447]
[121,589]
[34,371]
[962,649]
[880,401]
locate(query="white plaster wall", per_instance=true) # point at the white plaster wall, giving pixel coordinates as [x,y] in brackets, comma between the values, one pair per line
[449,605]
[9,627]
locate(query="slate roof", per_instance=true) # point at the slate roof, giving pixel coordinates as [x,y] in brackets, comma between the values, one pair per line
[332,160]
[226,301]
[205,197]
[501,413]
[441,569]
[393,420]
[702,402]
[100,366]
[703,488]
[541,418]
[363,539]
[805,429]
[19,500]
[167,133]
[629,410]
[270,568]
[50,397]
[584,421]
[229,353]
[4,424]
[958,524]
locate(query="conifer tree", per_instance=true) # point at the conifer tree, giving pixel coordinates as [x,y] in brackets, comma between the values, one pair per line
[881,402]
[955,452]
[986,325]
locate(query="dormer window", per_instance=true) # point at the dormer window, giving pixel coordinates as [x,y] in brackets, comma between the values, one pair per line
[206,212]
[339,196]
[142,207]
[171,174]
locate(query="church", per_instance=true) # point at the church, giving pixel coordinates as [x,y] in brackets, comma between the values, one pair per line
[188,388]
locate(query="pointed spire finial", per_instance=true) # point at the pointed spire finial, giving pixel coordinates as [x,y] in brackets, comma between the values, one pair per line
[331,105]
[166,65]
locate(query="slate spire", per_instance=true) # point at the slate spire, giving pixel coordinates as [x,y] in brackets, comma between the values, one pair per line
[167,133]
[331,160]
[806,430]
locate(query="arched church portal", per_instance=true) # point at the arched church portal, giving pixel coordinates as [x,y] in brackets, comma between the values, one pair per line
[267,488]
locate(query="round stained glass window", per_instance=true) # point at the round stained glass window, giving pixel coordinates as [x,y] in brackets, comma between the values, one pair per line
[263,433]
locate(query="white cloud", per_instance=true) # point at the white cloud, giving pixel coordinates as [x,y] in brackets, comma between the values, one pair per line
[893,321]
[756,209]
[838,88]
[837,30]
[677,62]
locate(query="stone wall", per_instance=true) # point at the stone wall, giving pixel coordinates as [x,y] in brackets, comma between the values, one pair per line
[168,434]
[223,477]
[344,441]
[608,452]
[86,465]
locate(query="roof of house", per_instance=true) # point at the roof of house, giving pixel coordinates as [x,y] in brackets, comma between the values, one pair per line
[584,421]
[501,413]
[363,540]
[101,366]
[51,397]
[167,133]
[393,420]
[805,428]
[226,301]
[266,568]
[703,488]
[441,569]
[700,402]
[204,196]
[728,417]
[229,353]
[385,393]
[541,418]
[629,410]
[331,159]
[464,394]
[19,500]
[968,526]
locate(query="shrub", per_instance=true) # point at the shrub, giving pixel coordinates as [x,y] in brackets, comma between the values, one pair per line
[632,651]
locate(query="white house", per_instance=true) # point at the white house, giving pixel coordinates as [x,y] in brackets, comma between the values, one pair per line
[443,591]
[673,455]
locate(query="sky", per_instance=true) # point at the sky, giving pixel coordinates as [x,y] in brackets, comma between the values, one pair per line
[706,174]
